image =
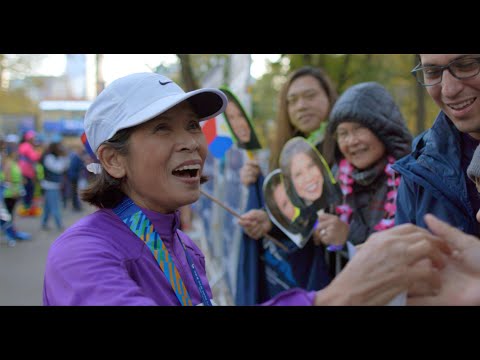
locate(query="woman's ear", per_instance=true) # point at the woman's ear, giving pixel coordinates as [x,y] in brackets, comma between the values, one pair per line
[112,161]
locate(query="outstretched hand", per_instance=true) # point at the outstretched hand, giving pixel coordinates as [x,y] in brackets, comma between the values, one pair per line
[387,265]
[461,275]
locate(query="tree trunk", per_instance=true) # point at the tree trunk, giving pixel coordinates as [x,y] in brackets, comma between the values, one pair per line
[368,63]
[2,69]
[100,82]
[321,61]
[420,104]
[188,78]
[307,59]
[343,73]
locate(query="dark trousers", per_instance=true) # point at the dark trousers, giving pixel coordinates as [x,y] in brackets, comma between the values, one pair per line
[10,205]
[29,188]
[74,194]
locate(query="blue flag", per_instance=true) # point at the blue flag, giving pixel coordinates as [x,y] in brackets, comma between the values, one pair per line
[251,270]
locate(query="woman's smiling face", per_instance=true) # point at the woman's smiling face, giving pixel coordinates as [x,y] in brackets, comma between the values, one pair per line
[165,160]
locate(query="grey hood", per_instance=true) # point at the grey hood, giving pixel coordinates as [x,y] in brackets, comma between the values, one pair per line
[371,105]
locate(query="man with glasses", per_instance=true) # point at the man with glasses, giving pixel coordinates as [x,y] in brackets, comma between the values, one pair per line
[434,176]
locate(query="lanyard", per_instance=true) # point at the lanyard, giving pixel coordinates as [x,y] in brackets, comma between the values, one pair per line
[141,226]
[196,277]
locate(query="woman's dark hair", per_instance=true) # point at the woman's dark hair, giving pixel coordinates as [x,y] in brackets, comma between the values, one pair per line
[105,191]
[285,130]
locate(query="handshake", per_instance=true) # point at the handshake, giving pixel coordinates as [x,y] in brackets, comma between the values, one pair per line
[441,267]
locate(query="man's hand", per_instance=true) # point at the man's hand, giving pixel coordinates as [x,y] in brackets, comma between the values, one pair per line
[461,275]
[386,265]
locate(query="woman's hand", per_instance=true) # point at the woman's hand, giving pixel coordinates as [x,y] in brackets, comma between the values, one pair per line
[330,230]
[255,223]
[249,172]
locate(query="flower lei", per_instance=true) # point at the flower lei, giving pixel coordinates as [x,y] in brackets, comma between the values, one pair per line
[346,182]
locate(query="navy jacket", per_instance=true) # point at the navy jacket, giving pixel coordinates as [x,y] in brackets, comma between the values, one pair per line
[433,180]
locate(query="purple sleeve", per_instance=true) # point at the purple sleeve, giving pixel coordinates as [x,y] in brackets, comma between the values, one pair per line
[292,297]
[80,270]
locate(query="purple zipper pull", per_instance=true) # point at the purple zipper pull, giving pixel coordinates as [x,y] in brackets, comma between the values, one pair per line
[334,247]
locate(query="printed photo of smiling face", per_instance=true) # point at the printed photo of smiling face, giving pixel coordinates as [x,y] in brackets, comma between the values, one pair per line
[239,123]
[308,179]
[281,204]
[281,210]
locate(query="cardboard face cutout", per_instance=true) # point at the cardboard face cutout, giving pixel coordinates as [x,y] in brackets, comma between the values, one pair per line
[281,210]
[239,123]
[308,180]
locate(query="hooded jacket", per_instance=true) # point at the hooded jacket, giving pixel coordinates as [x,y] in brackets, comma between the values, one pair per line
[372,106]
[433,180]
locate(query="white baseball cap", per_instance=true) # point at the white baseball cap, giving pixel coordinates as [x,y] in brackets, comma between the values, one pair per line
[138,98]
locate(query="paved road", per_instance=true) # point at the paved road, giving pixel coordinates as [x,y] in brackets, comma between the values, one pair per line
[216,275]
[22,267]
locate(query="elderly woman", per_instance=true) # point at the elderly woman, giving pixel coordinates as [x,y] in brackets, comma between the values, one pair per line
[371,134]
[145,131]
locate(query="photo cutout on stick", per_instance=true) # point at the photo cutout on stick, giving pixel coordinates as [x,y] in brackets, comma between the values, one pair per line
[281,210]
[239,122]
[308,180]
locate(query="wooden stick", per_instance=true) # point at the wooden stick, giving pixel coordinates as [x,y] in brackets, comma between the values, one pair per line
[216,201]
[237,215]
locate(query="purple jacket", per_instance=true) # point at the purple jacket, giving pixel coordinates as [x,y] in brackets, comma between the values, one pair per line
[99,261]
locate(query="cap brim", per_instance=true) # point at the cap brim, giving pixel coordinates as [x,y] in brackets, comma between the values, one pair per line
[207,103]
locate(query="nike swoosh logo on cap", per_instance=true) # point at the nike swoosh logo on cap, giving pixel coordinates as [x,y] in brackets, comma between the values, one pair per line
[164,83]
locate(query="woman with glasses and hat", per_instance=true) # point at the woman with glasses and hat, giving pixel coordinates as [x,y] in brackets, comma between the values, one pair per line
[145,131]
[434,176]
[371,134]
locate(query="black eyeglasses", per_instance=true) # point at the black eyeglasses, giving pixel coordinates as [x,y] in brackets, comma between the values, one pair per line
[461,69]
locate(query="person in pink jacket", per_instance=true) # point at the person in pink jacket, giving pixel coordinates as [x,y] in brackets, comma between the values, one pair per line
[28,157]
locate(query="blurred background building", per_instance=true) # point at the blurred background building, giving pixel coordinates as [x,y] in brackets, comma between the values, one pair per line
[57,104]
